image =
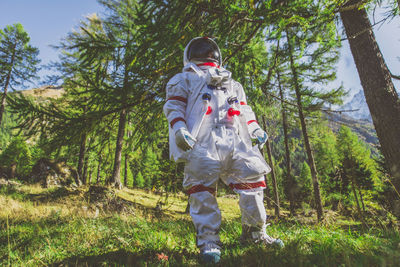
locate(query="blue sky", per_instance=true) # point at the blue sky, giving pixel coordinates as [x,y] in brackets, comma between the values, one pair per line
[388,38]
[48,21]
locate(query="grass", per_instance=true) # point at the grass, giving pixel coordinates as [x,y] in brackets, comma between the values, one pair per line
[62,227]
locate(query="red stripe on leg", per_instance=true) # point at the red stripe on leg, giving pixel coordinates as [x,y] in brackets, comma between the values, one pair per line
[244,186]
[200,188]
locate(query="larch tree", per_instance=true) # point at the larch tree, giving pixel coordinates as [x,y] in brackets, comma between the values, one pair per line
[311,47]
[18,60]
[380,94]
[68,121]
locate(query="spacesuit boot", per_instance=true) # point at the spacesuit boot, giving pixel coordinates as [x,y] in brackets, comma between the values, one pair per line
[253,220]
[259,235]
[210,253]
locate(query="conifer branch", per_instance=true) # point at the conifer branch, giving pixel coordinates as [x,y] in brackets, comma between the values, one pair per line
[240,48]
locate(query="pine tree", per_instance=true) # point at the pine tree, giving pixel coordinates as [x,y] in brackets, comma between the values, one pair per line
[18,60]
[304,183]
[356,166]
[326,154]
[139,181]
[380,94]
[312,50]
[290,182]
[18,157]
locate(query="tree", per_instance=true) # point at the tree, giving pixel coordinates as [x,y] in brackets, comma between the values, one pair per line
[18,60]
[356,166]
[18,157]
[304,184]
[380,94]
[8,123]
[318,70]
[326,155]
[290,182]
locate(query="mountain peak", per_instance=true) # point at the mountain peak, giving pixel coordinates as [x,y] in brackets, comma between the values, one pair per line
[359,104]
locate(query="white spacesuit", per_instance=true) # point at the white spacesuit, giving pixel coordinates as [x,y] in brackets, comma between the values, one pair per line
[211,127]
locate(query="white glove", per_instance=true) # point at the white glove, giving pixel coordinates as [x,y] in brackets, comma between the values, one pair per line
[184,140]
[261,137]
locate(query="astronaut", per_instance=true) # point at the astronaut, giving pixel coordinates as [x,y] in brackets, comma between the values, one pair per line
[210,129]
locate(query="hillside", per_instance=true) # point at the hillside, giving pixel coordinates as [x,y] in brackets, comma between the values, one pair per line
[363,128]
[48,91]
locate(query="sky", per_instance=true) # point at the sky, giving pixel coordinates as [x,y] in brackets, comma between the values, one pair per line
[388,39]
[48,21]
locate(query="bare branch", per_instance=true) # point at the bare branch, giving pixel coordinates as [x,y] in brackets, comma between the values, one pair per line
[338,111]
[397,77]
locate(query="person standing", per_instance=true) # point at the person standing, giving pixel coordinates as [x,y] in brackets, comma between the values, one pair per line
[210,129]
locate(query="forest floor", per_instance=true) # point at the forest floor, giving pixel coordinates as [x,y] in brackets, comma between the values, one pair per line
[101,227]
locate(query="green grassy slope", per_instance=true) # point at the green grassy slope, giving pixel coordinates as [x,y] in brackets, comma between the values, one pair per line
[65,227]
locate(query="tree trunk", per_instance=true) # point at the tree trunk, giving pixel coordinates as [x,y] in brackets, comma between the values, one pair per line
[13,170]
[267,191]
[361,198]
[90,176]
[81,160]
[98,170]
[126,170]
[380,94]
[187,209]
[4,96]
[353,187]
[85,169]
[356,198]
[289,182]
[128,135]
[275,186]
[311,162]
[116,177]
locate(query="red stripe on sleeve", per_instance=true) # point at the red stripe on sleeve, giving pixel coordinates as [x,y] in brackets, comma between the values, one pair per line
[176,120]
[242,103]
[251,122]
[180,98]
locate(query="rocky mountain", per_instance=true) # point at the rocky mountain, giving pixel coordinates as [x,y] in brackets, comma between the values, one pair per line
[358,119]
[360,107]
